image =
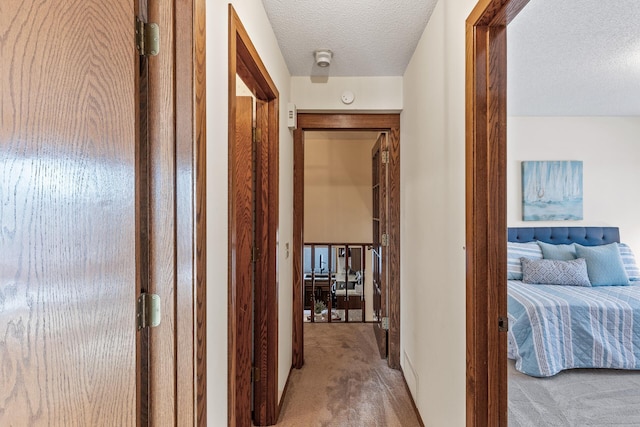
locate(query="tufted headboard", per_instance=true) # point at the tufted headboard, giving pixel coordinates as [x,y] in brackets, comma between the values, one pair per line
[587,236]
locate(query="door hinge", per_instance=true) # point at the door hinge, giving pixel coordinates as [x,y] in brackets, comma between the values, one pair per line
[503,324]
[147,38]
[148,311]
[385,156]
[255,374]
[256,134]
[384,239]
[255,254]
[384,323]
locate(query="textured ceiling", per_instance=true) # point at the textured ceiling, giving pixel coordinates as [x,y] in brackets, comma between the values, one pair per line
[575,58]
[565,58]
[367,37]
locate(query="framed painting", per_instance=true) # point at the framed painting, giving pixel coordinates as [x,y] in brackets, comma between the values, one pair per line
[552,190]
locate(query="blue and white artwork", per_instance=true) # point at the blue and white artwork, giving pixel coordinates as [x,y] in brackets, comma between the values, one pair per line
[551,190]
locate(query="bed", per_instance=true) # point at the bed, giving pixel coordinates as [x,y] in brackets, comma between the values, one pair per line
[553,327]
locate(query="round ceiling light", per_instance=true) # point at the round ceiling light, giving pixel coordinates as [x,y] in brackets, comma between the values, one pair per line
[323,57]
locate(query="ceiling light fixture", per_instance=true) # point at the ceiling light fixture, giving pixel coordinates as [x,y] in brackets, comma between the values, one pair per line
[323,57]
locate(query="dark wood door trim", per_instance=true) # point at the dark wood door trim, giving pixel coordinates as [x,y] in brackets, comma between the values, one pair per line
[486,140]
[245,62]
[376,122]
[190,134]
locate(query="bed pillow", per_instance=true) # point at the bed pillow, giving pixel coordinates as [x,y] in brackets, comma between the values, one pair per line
[515,251]
[629,261]
[604,264]
[561,252]
[555,272]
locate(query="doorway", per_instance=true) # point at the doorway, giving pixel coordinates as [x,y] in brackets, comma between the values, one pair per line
[337,232]
[253,233]
[486,209]
[389,123]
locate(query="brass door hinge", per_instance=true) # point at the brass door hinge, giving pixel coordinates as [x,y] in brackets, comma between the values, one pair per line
[256,134]
[255,374]
[384,240]
[385,156]
[148,311]
[147,38]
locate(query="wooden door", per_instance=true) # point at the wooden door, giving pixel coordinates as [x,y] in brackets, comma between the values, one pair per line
[244,211]
[72,237]
[380,294]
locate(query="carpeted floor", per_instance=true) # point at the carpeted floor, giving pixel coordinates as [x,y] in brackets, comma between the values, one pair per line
[344,382]
[574,398]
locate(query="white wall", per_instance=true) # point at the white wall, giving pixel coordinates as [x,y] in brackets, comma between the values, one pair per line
[254,19]
[371,93]
[609,148]
[433,218]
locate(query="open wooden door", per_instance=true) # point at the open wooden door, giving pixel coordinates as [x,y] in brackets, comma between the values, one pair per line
[86,173]
[244,210]
[379,249]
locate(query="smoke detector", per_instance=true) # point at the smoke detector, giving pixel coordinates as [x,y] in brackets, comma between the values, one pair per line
[323,57]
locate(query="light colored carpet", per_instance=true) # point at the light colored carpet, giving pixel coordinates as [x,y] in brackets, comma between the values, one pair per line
[344,382]
[579,397]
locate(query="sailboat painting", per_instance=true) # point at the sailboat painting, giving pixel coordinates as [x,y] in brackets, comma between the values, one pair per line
[552,190]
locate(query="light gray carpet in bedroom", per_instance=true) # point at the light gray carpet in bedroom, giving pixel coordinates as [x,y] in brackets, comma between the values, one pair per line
[580,397]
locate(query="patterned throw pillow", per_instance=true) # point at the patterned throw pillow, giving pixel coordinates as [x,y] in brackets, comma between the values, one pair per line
[555,272]
[629,261]
[515,251]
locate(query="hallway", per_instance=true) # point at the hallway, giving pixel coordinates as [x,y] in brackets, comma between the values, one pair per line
[345,383]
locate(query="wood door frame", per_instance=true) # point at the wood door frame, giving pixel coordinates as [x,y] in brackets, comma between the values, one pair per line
[331,122]
[190,157]
[245,62]
[486,224]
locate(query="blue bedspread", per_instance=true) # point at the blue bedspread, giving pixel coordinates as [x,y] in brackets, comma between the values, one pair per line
[552,328]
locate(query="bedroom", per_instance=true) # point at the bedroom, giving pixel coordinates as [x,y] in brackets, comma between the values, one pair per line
[606,143]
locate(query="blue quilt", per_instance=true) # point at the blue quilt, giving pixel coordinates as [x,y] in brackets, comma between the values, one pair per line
[552,328]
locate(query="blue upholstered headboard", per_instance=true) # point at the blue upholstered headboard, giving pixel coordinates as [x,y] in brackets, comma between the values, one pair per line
[587,236]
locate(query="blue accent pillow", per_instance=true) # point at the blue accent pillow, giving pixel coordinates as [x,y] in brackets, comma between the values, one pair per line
[561,252]
[604,264]
[629,261]
[555,272]
[515,251]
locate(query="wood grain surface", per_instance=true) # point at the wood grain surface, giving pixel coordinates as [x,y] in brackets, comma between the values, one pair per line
[486,139]
[161,265]
[67,213]
[242,246]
